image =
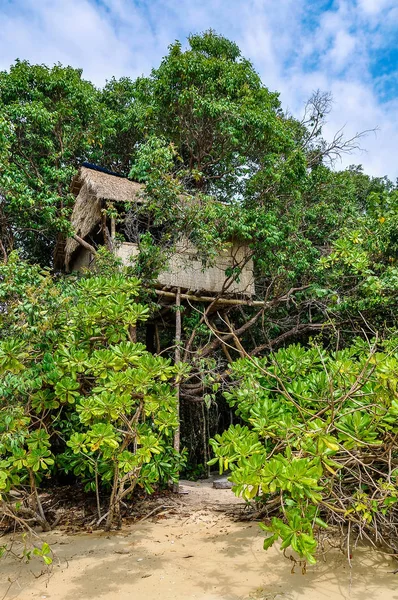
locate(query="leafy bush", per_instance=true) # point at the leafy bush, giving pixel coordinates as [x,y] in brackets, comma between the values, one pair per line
[319,446]
[78,395]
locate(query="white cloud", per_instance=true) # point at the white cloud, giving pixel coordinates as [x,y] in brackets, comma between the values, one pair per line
[295,49]
[356,109]
[343,45]
[72,32]
[374,7]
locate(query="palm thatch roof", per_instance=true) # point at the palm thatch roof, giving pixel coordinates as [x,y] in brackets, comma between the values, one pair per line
[91,187]
[106,185]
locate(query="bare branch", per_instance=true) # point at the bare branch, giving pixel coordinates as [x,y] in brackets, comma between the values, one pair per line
[85,244]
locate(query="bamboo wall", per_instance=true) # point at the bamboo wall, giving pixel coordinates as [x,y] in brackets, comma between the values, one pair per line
[186,271]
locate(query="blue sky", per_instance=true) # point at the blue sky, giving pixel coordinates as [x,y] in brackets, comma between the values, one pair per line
[346,47]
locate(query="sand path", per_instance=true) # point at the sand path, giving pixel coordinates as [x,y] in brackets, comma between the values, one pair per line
[198,552]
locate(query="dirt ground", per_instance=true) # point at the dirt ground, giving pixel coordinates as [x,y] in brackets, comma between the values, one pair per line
[194,549]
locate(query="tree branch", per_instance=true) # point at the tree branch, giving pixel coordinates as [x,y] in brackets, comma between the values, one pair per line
[85,244]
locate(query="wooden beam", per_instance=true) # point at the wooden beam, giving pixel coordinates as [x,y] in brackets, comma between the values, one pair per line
[224,301]
[85,244]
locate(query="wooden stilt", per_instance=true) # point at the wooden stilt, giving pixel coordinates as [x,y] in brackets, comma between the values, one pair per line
[177,358]
[157,339]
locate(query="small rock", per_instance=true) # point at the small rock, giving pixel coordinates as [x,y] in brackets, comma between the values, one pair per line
[222,484]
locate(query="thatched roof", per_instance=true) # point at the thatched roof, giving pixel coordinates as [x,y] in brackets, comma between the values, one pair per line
[107,186]
[91,187]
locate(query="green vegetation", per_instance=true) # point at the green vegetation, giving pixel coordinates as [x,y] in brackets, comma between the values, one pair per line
[78,396]
[319,442]
[308,375]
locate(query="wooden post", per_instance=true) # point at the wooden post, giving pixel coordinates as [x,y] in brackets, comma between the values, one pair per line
[105,232]
[177,358]
[157,339]
[113,228]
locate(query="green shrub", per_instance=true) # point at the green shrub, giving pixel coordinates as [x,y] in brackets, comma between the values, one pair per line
[78,395]
[319,446]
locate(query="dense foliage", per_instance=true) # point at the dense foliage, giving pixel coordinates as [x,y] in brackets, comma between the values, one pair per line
[318,447]
[309,367]
[53,121]
[78,395]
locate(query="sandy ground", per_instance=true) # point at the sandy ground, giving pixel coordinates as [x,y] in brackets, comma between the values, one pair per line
[197,552]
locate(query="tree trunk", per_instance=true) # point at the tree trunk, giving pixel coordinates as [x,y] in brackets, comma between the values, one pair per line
[37,503]
[114,499]
[132,333]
